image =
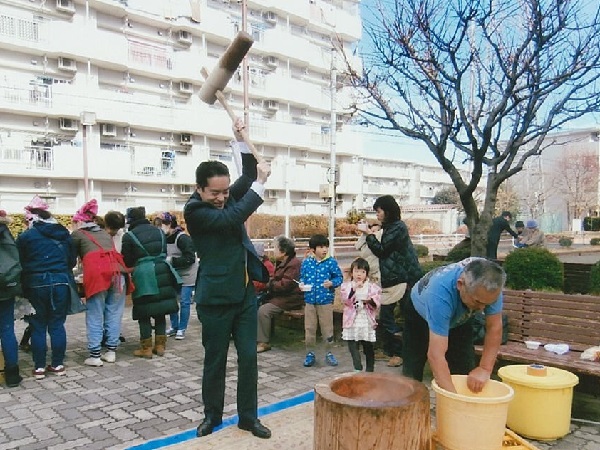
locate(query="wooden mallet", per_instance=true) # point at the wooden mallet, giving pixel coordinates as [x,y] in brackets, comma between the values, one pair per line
[215,82]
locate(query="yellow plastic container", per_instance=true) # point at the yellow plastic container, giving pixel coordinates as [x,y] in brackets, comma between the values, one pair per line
[467,420]
[541,408]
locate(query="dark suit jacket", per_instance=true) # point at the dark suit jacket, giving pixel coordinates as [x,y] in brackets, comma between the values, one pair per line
[222,244]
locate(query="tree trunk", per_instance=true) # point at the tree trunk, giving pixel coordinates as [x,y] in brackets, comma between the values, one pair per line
[372,411]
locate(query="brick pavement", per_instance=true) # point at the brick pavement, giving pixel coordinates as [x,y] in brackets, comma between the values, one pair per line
[135,400]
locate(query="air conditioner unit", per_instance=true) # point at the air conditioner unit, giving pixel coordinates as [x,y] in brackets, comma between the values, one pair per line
[270,17]
[186,139]
[272,105]
[65,6]
[184,37]
[304,112]
[325,190]
[271,194]
[185,87]
[67,64]
[68,124]
[271,61]
[109,130]
[186,189]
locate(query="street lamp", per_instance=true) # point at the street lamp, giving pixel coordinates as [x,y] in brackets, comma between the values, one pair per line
[88,119]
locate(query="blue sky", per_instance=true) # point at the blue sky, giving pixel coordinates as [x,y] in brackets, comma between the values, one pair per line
[385,143]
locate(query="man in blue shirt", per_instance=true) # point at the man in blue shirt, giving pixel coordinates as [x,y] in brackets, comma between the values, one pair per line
[437,326]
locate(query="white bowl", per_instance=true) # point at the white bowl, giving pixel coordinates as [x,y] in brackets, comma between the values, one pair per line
[306,287]
[532,345]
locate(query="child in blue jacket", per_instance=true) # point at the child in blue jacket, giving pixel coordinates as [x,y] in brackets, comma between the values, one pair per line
[320,274]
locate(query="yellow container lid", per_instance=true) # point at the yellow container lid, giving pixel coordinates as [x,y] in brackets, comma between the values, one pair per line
[553,379]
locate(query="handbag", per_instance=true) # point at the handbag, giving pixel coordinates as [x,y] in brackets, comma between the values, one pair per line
[76,304]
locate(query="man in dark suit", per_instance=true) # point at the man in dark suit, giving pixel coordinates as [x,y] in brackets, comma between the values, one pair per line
[225,296]
[499,224]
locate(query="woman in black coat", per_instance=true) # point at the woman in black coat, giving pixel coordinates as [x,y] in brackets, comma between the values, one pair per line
[149,307]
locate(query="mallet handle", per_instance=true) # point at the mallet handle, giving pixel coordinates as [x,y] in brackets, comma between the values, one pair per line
[232,115]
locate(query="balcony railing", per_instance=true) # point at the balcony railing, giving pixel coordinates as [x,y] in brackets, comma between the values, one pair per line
[28,157]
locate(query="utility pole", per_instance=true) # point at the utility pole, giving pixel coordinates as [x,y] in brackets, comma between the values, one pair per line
[332,143]
[245,70]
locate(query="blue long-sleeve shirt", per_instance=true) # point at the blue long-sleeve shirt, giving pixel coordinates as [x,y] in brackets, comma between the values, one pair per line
[316,273]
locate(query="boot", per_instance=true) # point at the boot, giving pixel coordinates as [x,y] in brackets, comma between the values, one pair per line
[160,342]
[12,376]
[145,350]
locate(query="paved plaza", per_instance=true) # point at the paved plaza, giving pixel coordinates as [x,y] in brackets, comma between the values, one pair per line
[135,402]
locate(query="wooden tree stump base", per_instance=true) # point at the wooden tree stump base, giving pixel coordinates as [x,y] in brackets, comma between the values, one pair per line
[372,411]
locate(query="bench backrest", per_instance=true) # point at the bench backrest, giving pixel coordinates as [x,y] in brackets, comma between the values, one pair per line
[553,318]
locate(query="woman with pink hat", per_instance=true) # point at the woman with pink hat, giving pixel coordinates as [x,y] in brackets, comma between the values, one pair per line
[104,283]
[47,260]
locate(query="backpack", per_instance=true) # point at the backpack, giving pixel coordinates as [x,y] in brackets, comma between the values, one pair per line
[144,271]
[100,267]
[10,266]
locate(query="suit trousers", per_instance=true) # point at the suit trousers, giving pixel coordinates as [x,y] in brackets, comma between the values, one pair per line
[219,324]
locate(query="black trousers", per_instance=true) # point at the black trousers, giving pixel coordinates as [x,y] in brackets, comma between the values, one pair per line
[354,347]
[460,354]
[219,324]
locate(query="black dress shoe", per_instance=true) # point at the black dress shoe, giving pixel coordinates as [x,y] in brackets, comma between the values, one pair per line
[206,427]
[256,428]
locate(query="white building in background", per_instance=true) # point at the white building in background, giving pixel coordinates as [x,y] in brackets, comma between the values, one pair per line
[105,91]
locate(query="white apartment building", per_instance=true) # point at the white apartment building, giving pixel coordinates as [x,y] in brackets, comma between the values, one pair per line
[98,99]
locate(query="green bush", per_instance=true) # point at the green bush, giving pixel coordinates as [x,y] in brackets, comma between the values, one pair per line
[565,241]
[595,241]
[422,250]
[428,266]
[533,268]
[595,279]
[460,251]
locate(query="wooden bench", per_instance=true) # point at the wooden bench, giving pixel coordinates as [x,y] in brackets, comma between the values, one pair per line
[551,318]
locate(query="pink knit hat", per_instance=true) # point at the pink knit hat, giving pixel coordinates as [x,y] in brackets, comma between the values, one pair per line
[37,203]
[87,212]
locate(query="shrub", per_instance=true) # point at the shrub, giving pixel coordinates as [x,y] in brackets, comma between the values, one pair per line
[595,241]
[595,279]
[460,251]
[428,266]
[422,250]
[533,268]
[565,241]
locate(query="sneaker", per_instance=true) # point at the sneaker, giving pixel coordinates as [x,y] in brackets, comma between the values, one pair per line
[171,332]
[109,357]
[309,361]
[180,335]
[395,361]
[58,370]
[330,359]
[39,373]
[94,362]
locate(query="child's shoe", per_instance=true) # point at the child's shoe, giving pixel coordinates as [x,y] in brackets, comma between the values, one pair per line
[330,359]
[309,361]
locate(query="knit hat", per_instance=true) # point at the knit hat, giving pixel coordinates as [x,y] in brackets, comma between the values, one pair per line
[167,218]
[37,203]
[519,224]
[532,224]
[135,213]
[87,212]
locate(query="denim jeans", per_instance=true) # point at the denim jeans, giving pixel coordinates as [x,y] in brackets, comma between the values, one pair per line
[103,315]
[392,346]
[50,304]
[7,333]
[179,320]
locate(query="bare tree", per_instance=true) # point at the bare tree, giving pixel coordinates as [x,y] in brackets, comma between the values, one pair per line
[477,80]
[576,181]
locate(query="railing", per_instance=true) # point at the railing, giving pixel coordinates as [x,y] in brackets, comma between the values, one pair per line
[29,157]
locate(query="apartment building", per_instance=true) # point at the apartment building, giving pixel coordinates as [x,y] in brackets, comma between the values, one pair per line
[98,99]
